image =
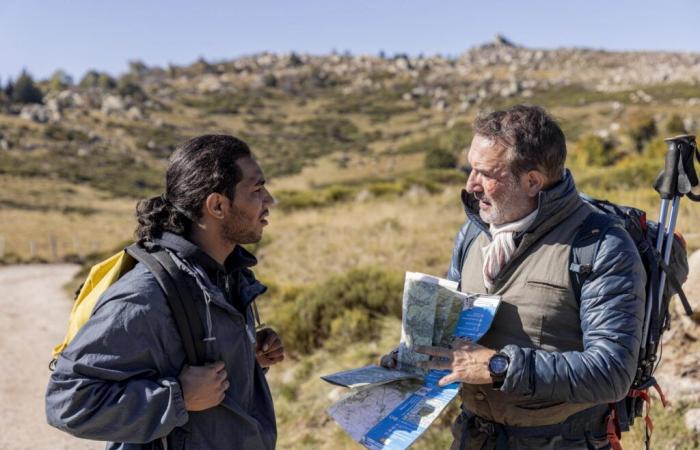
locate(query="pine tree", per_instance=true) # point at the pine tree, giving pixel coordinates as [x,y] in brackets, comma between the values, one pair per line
[25,91]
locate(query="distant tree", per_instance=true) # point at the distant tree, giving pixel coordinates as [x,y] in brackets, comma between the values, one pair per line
[93,79]
[9,88]
[439,158]
[60,80]
[128,86]
[270,80]
[137,67]
[172,70]
[596,151]
[641,128]
[295,60]
[675,125]
[25,91]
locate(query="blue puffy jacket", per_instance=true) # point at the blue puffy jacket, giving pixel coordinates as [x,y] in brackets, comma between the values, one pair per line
[611,314]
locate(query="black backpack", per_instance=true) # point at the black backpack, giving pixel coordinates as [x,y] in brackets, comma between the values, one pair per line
[657,317]
[583,253]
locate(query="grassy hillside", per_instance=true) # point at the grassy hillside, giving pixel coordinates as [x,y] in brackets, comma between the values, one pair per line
[363,154]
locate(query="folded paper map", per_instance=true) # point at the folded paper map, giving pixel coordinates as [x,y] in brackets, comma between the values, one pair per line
[390,409]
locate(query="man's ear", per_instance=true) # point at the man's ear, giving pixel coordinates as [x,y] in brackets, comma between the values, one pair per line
[535,181]
[214,205]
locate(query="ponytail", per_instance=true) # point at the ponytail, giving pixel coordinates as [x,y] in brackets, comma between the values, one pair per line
[156,215]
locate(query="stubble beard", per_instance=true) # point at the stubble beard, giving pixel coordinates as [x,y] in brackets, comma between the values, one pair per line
[508,207]
[233,232]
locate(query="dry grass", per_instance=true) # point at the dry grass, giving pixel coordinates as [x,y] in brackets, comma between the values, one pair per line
[414,232]
[77,219]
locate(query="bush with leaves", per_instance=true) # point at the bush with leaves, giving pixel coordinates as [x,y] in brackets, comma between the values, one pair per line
[60,80]
[346,308]
[675,125]
[641,128]
[25,91]
[594,150]
[440,158]
[95,79]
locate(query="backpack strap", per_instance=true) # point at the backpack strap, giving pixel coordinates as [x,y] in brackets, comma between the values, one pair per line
[177,292]
[676,285]
[471,232]
[584,248]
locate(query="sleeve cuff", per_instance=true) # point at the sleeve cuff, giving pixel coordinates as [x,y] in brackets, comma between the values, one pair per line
[178,401]
[517,377]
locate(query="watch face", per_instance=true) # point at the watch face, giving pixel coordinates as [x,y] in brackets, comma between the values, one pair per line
[498,364]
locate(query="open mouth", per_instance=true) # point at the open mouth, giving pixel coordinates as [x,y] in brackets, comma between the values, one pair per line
[482,201]
[263,217]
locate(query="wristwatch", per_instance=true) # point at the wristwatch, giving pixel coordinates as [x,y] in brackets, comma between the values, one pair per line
[498,368]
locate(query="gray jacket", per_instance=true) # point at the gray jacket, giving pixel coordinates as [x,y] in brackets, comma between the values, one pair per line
[117,380]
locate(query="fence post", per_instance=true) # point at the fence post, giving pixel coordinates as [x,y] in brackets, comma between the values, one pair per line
[53,247]
[76,246]
[32,250]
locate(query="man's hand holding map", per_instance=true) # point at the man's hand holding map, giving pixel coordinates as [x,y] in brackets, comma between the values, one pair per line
[390,409]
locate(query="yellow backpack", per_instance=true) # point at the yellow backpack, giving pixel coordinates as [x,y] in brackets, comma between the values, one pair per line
[169,277]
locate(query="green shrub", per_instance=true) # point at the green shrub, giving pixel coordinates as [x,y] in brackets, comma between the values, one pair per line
[595,151]
[345,308]
[633,171]
[641,128]
[58,133]
[338,193]
[440,158]
[656,149]
[380,189]
[25,91]
[95,79]
[128,87]
[290,200]
[60,80]
[675,125]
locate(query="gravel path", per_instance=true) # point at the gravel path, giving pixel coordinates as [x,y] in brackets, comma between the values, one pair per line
[33,317]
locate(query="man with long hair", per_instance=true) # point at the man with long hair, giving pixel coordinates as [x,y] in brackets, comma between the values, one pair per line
[124,377]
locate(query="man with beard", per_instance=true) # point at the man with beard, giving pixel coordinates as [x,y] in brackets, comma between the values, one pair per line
[543,375]
[124,377]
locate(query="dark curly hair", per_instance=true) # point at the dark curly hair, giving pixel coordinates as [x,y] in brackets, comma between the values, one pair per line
[533,138]
[199,167]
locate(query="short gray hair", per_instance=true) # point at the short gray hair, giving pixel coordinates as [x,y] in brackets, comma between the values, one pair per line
[533,138]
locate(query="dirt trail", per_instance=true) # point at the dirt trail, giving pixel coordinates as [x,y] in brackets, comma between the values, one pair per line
[33,315]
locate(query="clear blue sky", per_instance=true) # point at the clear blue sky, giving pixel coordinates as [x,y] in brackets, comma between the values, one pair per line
[77,35]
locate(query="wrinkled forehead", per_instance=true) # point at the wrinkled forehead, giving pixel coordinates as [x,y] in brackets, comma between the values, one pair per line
[487,151]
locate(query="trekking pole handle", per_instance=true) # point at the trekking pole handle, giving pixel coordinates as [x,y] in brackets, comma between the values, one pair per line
[667,181]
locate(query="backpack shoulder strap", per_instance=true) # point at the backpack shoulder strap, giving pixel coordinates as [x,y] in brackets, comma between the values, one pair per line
[584,248]
[177,292]
[471,232]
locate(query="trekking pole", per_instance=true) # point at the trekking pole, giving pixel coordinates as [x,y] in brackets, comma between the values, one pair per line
[666,187]
[682,180]
[677,179]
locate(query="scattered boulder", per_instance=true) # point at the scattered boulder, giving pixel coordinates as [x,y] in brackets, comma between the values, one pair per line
[113,104]
[692,420]
[40,113]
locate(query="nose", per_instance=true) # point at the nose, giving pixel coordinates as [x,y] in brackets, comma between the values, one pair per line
[473,182]
[269,199]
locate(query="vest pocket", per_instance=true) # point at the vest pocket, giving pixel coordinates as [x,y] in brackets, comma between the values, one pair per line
[546,285]
[560,324]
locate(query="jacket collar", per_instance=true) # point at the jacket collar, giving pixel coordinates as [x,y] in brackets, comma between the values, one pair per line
[238,259]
